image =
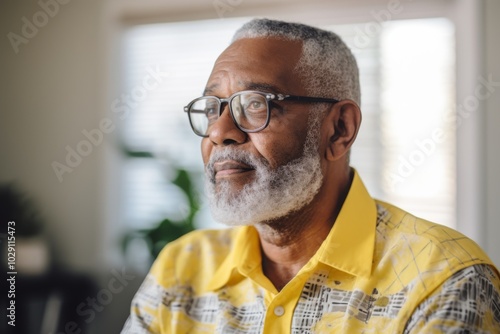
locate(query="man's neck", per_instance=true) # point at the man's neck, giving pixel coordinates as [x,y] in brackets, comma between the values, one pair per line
[286,249]
[289,243]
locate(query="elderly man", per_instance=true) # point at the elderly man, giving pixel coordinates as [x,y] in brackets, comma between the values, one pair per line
[309,251]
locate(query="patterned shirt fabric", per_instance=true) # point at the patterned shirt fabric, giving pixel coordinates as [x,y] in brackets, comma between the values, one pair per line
[468,302]
[379,270]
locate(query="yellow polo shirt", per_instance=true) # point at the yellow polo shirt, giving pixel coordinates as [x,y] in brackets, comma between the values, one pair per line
[379,270]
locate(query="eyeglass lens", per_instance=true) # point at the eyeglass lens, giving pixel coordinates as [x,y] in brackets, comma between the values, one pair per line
[249,112]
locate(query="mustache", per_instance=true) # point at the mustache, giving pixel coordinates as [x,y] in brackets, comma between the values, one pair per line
[231,153]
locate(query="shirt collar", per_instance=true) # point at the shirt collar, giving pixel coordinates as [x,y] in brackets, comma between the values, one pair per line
[244,257]
[348,247]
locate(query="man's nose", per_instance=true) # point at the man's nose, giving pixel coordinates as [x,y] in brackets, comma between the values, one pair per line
[224,131]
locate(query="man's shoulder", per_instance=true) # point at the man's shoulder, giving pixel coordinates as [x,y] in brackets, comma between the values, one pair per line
[209,242]
[413,256]
[427,245]
[206,238]
[200,251]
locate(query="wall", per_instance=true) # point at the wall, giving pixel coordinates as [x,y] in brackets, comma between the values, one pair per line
[491,11]
[51,92]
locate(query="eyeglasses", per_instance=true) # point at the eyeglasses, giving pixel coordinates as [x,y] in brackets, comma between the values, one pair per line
[250,110]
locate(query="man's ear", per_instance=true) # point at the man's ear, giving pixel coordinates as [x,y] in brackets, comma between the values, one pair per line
[342,124]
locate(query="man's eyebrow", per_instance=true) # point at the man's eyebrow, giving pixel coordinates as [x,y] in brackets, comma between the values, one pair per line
[209,89]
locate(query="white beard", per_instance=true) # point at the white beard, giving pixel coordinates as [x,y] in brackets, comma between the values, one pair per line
[274,193]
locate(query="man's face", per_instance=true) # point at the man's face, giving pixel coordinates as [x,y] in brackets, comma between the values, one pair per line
[245,170]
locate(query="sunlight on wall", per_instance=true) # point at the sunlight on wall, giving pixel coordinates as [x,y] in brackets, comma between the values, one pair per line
[417,99]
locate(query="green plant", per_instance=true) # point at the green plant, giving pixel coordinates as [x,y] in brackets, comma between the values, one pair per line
[168,230]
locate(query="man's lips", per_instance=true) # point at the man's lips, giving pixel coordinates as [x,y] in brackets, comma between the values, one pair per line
[229,167]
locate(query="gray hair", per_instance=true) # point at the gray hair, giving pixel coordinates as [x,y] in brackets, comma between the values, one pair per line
[326,66]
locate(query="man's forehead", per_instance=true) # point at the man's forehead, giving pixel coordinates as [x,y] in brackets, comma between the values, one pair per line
[263,64]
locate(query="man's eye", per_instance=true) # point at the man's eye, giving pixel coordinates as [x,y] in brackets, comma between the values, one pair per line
[211,113]
[255,107]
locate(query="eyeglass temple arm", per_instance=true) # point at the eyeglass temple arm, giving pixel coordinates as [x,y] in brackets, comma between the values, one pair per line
[195,111]
[305,98]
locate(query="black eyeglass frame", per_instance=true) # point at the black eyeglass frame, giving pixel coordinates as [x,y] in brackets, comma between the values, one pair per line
[268,96]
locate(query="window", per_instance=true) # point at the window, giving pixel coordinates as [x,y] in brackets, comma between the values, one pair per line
[404,151]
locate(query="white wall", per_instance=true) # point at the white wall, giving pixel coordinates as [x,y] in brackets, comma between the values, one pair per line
[50,92]
[491,44]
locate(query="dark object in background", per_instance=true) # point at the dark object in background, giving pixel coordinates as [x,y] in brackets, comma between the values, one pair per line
[17,206]
[48,304]
[46,299]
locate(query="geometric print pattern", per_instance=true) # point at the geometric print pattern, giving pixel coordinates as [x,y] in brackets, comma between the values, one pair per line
[468,302]
[425,278]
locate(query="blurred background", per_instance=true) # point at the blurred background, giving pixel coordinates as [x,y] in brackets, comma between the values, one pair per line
[99,168]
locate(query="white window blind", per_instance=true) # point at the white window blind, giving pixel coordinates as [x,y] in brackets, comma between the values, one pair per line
[407,88]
